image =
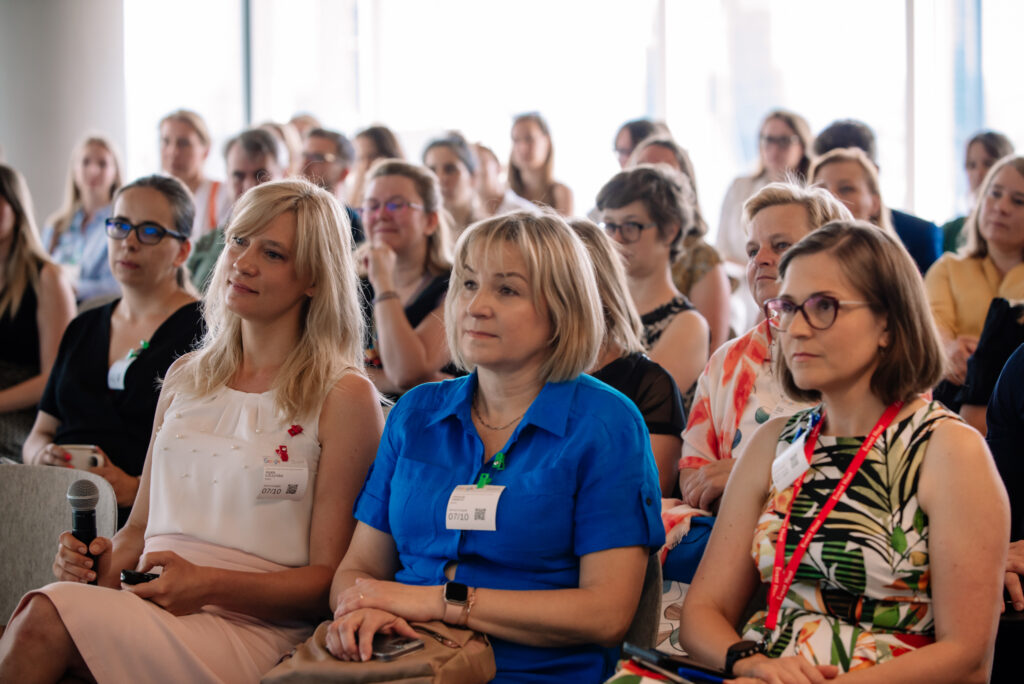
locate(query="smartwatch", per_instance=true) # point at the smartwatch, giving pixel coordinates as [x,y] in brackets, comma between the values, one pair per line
[739,651]
[456,597]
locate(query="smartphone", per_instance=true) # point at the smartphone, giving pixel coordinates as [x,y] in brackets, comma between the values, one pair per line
[391,646]
[83,456]
[687,668]
[133,577]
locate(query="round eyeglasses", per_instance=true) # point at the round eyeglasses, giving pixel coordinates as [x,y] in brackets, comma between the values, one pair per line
[818,310]
[629,231]
[146,233]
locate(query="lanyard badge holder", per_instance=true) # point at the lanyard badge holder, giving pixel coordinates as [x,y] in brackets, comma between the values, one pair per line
[783,573]
[475,506]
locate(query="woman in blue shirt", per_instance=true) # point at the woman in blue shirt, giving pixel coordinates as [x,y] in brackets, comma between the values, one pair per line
[546,553]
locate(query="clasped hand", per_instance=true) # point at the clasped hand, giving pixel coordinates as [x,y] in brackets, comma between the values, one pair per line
[703,487]
[760,669]
[372,606]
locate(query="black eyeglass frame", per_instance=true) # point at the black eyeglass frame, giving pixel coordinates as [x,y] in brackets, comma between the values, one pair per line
[635,229]
[116,230]
[776,319]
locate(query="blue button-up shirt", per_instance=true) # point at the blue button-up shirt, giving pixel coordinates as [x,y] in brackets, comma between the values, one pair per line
[87,249]
[579,477]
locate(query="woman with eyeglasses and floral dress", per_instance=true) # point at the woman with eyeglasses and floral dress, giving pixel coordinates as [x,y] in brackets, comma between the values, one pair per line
[103,389]
[405,263]
[876,518]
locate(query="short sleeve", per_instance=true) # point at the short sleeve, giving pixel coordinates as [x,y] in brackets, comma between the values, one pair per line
[375,497]
[660,403]
[940,295]
[618,498]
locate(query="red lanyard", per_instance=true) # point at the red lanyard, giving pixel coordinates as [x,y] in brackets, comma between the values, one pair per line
[782,578]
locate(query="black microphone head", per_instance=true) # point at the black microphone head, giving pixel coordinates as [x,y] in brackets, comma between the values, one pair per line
[83,495]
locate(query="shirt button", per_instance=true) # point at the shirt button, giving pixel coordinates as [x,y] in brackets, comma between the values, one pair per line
[648,501]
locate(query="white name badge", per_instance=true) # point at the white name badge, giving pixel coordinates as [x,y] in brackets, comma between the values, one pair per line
[473,508]
[115,376]
[790,464]
[283,482]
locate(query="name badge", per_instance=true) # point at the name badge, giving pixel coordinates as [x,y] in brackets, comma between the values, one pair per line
[283,482]
[473,508]
[790,464]
[115,376]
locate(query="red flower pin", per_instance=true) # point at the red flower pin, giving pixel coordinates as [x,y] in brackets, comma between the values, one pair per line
[294,430]
[282,451]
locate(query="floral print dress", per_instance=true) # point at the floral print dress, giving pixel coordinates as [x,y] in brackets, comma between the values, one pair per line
[861,594]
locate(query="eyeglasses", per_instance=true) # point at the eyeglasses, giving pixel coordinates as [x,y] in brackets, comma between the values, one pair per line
[311,158]
[819,311]
[783,141]
[393,205]
[146,233]
[628,231]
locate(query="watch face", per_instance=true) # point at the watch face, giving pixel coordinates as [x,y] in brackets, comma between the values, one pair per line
[456,592]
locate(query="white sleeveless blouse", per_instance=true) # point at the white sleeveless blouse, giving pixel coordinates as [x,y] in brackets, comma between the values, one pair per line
[208,467]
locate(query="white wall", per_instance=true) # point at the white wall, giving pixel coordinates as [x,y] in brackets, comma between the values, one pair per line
[61,76]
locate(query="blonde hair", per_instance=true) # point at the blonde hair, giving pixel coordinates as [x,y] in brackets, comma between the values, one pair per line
[561,278]
[331,337]
[820,204]
[191,119]
[860,157]
[977,246]
[27,255]
[61,219]
[879,267]
[428,189]
[622,324]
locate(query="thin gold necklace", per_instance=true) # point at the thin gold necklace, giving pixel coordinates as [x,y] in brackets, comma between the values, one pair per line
[496,428]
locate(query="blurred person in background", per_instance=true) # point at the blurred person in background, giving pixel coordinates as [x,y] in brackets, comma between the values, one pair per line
[292,141]
[456,166]
[371,144]
[36,305]
[531,166]
[74,236]
[304,122]
[631,133]
[327,157]
[184,147]
[984,149]
[492,187]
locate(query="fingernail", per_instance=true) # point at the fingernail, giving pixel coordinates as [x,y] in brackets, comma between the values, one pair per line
[88,563]
[91,576]
[1018,605]
[67,457]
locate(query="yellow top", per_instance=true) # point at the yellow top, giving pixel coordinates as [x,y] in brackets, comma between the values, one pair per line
[960,289]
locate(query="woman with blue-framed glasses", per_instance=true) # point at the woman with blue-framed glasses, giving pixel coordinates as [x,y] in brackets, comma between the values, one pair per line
[103,389]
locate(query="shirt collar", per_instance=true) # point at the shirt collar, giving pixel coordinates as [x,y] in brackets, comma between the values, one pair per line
[549,411]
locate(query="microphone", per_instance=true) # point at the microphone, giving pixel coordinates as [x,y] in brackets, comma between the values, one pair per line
[83,496]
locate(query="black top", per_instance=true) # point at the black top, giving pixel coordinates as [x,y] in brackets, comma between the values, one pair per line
[1006,435]
[656,321]
[19,336]
[651,388]
[429,298]
[117,421]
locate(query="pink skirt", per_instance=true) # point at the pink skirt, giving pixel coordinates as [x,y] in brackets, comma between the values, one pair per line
[124,638]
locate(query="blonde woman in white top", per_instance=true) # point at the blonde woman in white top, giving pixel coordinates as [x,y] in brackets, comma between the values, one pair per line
[276,393]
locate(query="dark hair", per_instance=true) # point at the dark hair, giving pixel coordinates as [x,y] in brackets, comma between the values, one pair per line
[515,176]
[666,194]
[455,142]
[995,143]
[847,133]
[682,157]
[183,208]
[881,269]
[638,130]
[259,142]
[342,147]
[384,140]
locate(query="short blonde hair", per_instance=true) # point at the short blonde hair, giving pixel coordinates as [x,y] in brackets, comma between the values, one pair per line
[977,246]
[623,327]
[561,278]
[428,188]
[331,339]
[879,267]
[821,205]
[858,156]
[192,119]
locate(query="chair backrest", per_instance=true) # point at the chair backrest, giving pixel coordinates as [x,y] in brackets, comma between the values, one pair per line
[34,510]
[643,631]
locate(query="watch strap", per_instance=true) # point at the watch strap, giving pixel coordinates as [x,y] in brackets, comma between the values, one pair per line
[739,651]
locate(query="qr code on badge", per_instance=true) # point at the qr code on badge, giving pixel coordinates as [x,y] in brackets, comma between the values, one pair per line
[292,489]
[479,514]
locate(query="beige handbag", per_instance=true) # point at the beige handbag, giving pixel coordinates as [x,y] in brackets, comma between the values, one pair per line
[450,655]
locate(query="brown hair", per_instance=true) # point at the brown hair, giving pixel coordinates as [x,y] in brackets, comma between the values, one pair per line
[666,194]
[802,129]
[384,140]
[26,256]
[700,226]
[976,244]
[515,176]
[879,267]
[854,154]
[428,189]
